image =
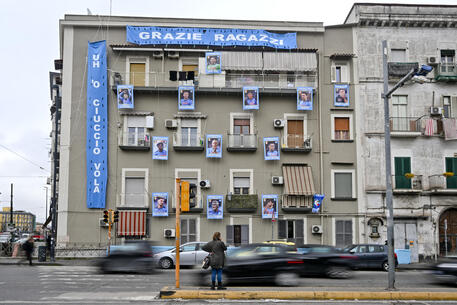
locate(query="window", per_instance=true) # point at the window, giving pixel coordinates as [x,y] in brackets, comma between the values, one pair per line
[292,230]
[296,128]
[447,61]
[137,70]
[451,166]
[188,231]
[241,126]
[402,166]
[450,106]
[339,73]
[242,133]
[237,235]
[343,184]
[241,185]
[241,181]
[189,133]
[398,55]
[191,175]
[341,129]
[135,132]
[343,233]
[400,119]
[134,187]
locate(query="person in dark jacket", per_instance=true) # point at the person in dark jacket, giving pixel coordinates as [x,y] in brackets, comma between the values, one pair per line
[28,248]
[216,247]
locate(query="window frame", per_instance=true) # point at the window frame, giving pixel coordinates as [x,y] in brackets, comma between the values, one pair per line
[134,173]
[345,171]
[353,233]
[197,233]
[137,60]
[351,127]
[179,132]
[178,174]
[251,180]
[344,68]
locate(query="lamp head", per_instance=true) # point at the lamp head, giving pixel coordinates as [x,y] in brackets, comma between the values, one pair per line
[424,70]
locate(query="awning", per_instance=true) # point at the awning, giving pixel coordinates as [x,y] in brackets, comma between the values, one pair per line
[242,61]
[289,61]
[298,180]
[131,223]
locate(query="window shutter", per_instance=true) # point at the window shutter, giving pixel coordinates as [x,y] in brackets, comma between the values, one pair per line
[451,166]
[299,232]
[453,106]
[342,124]
[244,234]
[344,74]
[333,74]
[149,121]
[282,226]
[348,232]
[136,121]
[229,235]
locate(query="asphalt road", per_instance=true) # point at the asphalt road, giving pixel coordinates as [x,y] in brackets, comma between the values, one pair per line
[22,284]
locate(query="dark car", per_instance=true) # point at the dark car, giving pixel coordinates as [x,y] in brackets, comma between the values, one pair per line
[259,263]
[445,270]
[131,257]
[322,260]
[370,256]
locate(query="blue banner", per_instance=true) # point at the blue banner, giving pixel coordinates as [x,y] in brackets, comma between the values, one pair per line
[97,125]
[317,202]
[214,37]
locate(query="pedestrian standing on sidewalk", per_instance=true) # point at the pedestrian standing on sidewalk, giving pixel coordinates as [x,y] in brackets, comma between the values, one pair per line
[28,248]
[216,248]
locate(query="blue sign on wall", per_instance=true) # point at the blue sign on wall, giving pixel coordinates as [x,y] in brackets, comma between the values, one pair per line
[215,37]
[97,123]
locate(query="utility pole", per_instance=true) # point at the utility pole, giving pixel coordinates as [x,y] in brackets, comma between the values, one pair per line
[178,229]
[11,208]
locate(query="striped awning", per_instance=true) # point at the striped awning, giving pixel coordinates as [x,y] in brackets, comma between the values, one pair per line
[131,223]
[298,180]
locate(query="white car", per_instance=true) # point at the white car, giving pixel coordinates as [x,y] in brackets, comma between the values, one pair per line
[190,254]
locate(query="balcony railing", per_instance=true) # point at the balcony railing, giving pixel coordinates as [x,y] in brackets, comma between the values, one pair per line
[186,141]
[241,203]
[402,183]
[400,69]
[133,200]
[447,72]
[225,80]
[134,141]
[405,124]
[296,142]
[242,142]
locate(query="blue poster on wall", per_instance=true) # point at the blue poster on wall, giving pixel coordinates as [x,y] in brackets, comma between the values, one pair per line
[215,207]
[341,95]
[97,129]
[271,148]
[125,97]
[250,98]
[186,98]
[305,98]
[143,35]
[213,62]
[214,146]
[160,148]
[159,204]
[269,206]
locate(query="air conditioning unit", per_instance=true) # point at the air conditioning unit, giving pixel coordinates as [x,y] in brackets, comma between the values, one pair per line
[171,123]
[169,233]
[278,123]
[432,60]
[316,229]
[205,184]
[308,143]
[277,180]
[102,223]
[157,54]
[173,54]
[436,111]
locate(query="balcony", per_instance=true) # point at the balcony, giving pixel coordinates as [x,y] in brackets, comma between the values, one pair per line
[134,141]
[446,72]
[399,69]
[404,185]
[224,80]
[296,143]
[242,142]
[186,142]
[405,127]
[442,184]
[241,203]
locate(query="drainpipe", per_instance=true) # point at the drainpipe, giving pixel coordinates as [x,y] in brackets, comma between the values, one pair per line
[321,156]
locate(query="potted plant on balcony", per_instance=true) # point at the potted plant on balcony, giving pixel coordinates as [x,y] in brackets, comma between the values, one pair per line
[236,203]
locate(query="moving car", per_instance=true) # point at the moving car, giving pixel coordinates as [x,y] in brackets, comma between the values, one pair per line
[190,254]
[132,257]
[370,256]
[258,263]
[445,270]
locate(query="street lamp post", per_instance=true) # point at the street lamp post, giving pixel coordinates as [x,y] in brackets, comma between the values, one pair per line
[386,95]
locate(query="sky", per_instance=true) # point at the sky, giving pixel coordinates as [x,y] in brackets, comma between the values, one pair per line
[31,43]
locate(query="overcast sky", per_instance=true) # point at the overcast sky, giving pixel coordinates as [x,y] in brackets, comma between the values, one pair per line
[30,45]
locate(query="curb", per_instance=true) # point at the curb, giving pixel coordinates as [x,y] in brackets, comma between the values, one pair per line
[167,293]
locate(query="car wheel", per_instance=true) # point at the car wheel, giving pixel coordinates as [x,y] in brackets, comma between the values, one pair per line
[338,272]
[286,279]
[166,263]
[385,266]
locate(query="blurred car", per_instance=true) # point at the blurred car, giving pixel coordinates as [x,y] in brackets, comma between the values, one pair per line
[131,257]
[190,254]
[370,256]
[445,270]
[322,260]
[280,242]
[258,263]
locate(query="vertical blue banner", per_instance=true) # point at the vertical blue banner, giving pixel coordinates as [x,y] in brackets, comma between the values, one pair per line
[97,123]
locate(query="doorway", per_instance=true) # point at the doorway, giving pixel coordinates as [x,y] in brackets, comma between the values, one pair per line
[448,232]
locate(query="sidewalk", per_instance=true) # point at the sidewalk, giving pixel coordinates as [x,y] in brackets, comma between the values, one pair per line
[305,293]
[58,262]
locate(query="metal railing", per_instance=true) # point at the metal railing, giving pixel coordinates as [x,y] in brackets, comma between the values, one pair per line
[135,139]
[401,182]
[225,80]
[405,124]
[183,139]
[242,141]
[296,141]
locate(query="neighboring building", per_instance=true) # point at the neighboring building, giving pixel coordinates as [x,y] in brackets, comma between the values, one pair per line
[23,221]
[420,114]
[317,148]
